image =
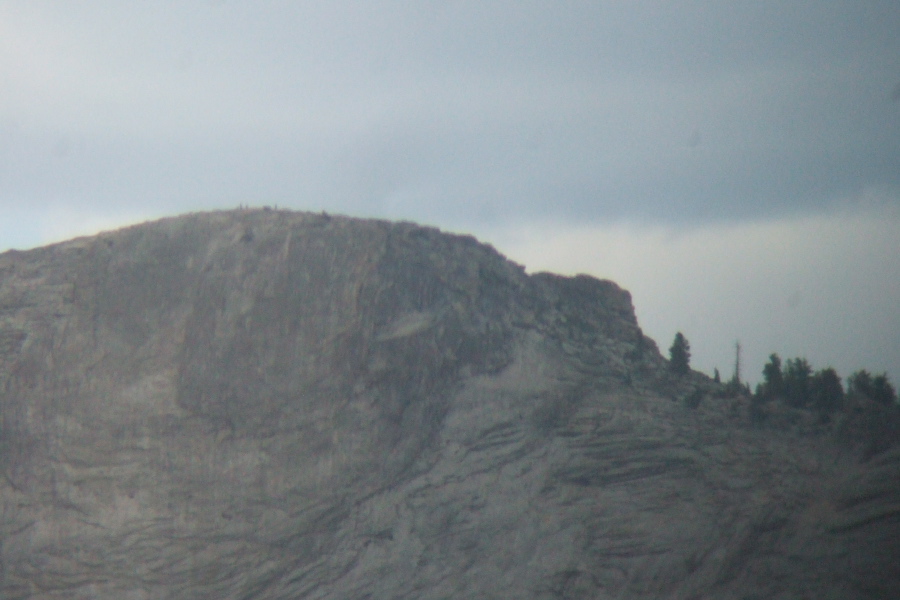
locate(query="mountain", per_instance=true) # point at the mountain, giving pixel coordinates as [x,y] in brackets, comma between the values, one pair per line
[262,404]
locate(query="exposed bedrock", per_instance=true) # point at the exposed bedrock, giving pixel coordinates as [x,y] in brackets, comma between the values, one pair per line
[278,405]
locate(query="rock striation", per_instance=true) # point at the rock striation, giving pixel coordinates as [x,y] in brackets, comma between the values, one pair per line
[265,405]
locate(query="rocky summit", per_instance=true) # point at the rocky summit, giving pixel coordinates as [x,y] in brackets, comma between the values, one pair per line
[263,404]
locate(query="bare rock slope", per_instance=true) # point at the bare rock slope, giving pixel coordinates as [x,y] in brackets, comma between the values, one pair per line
[277,405]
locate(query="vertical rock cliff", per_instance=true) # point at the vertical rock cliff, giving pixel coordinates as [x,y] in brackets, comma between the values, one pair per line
[278,405]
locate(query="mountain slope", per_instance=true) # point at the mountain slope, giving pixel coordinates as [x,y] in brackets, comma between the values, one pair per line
[274,405]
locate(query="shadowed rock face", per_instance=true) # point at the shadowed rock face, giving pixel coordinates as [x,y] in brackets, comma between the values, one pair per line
[273,405]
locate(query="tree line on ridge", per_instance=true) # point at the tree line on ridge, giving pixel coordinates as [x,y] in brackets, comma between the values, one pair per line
[796,384]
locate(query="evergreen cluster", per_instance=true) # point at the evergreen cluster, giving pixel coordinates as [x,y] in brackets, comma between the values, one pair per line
[680,355]
[795,383]
[798,386]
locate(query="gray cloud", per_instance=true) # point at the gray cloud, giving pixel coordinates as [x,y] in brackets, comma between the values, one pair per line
[446,112]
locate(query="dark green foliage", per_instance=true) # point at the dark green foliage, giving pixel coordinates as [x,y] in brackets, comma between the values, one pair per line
[736,377]
[827,392]
[797,386]
[883,391]
[877,388]
[797,376]
[773,385]
[860,383]
[870,408]
[716,377]
[680,355]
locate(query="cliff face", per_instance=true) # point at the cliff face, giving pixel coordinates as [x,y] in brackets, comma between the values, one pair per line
[274,405]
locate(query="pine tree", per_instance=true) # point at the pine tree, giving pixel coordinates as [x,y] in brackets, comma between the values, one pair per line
[680,355]
[773,377]
[797,376]
[883,390]
[826,391]
[877,388]
[736,377]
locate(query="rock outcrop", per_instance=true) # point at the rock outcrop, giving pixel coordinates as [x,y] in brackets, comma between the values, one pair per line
[276,405]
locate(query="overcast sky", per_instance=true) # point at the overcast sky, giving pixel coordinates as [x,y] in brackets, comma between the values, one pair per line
[735,165]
